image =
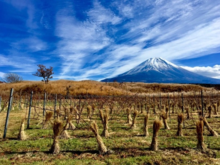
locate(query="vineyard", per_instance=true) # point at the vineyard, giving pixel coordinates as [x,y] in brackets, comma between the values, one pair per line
[156,128]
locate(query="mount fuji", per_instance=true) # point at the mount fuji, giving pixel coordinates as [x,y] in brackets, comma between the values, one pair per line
[158,70]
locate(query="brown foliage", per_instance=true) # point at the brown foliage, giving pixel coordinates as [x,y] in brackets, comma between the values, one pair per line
[12,78]
[45,73]
[154,87]
[93,88]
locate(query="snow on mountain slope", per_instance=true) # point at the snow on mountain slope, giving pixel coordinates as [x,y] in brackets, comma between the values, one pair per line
[157,64]
[161,71]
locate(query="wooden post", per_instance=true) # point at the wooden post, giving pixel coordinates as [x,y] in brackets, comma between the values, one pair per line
[146,102]
[212,95]
[168,98]
[160,102]
[183,109]
[29,114]
[0,103]
[182,104]
[9,108]
[44,104]
[26,102]
[202,102]
[70,101]
[20,102]
[154,100]
[55,106]
[38,101]
[60,103]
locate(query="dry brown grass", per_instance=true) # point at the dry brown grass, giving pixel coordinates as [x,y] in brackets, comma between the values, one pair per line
[129,119]
[59,87]
[133,126]
[22,135]
[164,117]
[146,118]
[105,132]
[199,130]
[156,127]
[57,129]
[47,119]
[95,87]
[212,132]
[180,119]
[101,146]
[156,87]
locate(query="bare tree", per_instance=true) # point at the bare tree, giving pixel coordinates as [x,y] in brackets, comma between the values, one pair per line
[45,73]
[12,78]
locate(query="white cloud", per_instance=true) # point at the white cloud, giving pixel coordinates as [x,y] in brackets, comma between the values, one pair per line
[196,41]
[2,75]
[168,29]
[31,44]
[5,61]
[149,34]
[191,45]
[127,11]
[126,33]
[23,63]
[79,41]
[101,15]
[207,71]
[173,21]
[19,57]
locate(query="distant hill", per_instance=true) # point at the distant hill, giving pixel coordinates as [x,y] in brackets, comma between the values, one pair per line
[88,88]
[158,70]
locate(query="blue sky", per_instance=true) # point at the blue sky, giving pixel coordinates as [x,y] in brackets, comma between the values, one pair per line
[95,39]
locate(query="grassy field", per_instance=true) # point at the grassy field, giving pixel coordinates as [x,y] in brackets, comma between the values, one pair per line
[129,146]
[96,88]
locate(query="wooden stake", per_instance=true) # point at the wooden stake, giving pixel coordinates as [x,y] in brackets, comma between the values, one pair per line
[7,117]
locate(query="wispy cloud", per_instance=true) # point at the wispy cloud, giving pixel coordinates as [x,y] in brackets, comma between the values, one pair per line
[193,32]
[98,14]
[105,39]
[2,75]
[195,43]
[23,64]
[80,41]
[31,44]
[23,38]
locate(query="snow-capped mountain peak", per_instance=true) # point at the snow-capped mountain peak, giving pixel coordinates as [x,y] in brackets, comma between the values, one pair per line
[161,71]
[157,64]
